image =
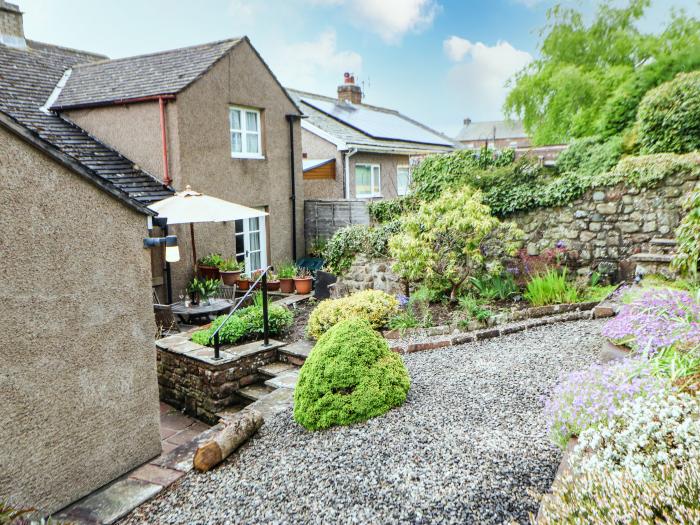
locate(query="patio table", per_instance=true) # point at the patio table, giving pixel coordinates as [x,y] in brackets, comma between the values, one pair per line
[201,311]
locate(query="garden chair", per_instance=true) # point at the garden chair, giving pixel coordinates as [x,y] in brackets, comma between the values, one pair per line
[165,320]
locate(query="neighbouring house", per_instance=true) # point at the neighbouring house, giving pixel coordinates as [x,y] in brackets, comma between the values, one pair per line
[211,116]
[78,380]
[495,134]
[353,150]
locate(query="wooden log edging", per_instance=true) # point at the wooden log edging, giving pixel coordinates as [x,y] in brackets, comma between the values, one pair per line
[236,431]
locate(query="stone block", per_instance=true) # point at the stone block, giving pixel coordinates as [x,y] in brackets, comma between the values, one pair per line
[598,196]
[607,208]
[628,227]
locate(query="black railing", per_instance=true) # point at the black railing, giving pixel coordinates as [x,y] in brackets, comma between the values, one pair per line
[266,321]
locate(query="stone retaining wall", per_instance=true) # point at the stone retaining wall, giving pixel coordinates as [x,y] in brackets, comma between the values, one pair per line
[369,274]
[608,225]
[189,379]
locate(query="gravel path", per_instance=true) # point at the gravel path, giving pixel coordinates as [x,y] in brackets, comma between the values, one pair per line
[469,446]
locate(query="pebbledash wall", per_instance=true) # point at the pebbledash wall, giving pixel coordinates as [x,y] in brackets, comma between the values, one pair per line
[609,225]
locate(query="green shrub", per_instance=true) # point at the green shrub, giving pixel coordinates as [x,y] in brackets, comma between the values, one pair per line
[374,306]
[688,238]
[551,287]
[605,497]
[590,156]
[346,243]
[495,287]
[669,116]
[474,308]
[246,323]
[388,210]
[451,239]
[350,376]
[620,110]
[645,171]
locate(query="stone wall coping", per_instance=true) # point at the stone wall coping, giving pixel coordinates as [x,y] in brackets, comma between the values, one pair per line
[181,345]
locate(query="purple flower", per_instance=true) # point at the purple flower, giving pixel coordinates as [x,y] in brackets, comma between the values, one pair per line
[402,299]
[560,244]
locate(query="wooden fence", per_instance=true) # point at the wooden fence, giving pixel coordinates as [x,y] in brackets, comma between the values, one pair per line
[322,218]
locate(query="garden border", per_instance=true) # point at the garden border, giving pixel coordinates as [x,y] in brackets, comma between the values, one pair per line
[505,324]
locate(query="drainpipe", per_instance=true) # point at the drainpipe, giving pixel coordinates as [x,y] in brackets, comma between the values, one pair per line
[347,172]
[164,138]
[293,196]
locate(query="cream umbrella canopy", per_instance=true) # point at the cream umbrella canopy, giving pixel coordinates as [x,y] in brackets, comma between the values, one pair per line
[190,206]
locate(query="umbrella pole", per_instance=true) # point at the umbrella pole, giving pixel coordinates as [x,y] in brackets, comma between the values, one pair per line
[194,249]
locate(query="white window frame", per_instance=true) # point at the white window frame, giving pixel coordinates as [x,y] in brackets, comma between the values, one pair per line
[244,132]
[408,169]
[372,172]
[246,234]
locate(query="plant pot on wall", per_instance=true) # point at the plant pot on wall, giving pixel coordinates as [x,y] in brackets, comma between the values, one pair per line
[243,283]
[303,285]
[208,272]
[230,278]
[286,285]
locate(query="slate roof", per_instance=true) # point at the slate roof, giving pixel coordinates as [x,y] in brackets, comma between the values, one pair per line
[358,138]
[164,73]
[27,79]
[505,129]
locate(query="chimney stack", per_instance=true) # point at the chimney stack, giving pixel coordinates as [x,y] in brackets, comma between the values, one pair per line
[348,91]
[11,26]
[467,121]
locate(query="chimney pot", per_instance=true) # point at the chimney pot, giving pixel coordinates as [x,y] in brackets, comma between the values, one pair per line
[348,91]
[11,25]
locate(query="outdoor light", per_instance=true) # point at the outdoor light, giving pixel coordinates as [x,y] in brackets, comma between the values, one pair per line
[172,252]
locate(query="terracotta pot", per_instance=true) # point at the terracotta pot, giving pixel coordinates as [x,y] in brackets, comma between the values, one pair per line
[286,285]
[243,284]
[209,272]
[303,285]
[230,278]
[273,286]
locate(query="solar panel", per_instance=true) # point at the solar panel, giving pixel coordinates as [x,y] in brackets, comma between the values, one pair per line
[377,124]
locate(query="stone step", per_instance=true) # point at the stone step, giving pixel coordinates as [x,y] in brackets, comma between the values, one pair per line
[295,353]
[660,241]
[292,299]
[659,258]
[284,380]
[276,368]
[254,392]
[276,401]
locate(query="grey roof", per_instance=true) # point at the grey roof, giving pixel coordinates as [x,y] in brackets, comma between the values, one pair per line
[309,164]
[505,129]
[368,132]
[27,79]
[164,73]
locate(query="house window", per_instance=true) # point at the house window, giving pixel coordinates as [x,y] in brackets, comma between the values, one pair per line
[403,179]
[245,133]
[368,181]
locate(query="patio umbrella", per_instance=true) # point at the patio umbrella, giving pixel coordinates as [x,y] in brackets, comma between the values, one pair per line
[190,206]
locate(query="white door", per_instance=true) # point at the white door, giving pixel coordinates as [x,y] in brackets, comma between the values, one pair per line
[251,243]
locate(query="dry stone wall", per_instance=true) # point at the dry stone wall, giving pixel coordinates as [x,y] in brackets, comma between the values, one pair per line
[369,274]
[608,225]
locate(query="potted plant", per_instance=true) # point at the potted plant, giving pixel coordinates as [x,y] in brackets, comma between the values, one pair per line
[230,269]
[303,281]
[243,281]
[208,266]
[273,282]
[254,277]
[210,287]
[286,273]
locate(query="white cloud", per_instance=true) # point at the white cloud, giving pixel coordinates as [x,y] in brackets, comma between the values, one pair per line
[456,48]
[314,64]
[478,79]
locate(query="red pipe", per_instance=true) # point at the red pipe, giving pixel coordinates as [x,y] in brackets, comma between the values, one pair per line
[164,138]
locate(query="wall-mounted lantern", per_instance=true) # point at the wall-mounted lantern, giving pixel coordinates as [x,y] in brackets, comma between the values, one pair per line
[172,252]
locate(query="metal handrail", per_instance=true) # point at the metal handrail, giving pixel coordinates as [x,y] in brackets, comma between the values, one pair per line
[266,320]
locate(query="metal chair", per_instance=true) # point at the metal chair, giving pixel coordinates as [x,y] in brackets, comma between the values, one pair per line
[166,322]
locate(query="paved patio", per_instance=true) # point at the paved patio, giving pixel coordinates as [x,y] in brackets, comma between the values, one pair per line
[106,505]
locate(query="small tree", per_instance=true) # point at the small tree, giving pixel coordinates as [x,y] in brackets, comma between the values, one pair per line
[450,239]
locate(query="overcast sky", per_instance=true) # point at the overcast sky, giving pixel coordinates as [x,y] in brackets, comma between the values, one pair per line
[435,60]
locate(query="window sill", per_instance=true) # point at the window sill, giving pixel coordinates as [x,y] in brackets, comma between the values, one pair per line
[248,157]
[379,196]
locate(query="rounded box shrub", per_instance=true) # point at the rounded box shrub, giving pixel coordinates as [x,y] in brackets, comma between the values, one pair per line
[350,376]
[374,306]
[669,116]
